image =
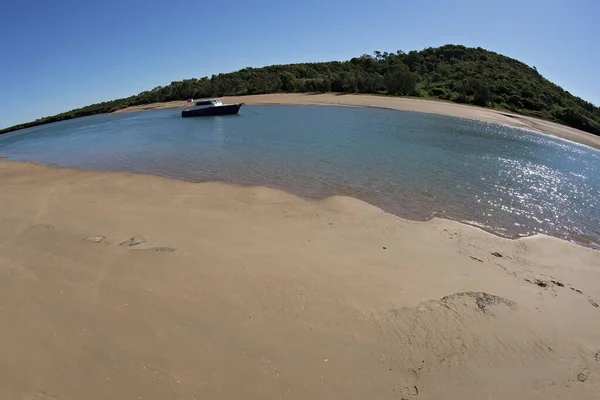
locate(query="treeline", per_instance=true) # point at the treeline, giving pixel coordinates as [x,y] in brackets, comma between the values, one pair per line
[454,73]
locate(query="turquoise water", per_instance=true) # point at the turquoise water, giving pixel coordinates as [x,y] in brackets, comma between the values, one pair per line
[506,180]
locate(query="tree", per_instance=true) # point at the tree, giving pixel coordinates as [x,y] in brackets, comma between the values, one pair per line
[451,72]
[482,93]
[288,82]
[413,60]
[401,80]
[324,85]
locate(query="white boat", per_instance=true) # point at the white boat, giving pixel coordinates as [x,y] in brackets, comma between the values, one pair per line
[208,107]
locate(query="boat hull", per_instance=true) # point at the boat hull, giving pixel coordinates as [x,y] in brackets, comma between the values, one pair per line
[227,109]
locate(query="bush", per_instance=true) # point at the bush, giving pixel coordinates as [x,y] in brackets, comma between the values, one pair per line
[437,91]
[482,93]
[401,81]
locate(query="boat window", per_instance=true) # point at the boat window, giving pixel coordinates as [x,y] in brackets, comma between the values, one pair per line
[204,103]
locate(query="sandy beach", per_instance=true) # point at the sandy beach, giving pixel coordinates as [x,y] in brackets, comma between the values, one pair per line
[119,286]
[406,104]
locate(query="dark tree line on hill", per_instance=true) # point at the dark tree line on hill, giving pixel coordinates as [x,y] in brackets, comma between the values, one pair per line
[454,73]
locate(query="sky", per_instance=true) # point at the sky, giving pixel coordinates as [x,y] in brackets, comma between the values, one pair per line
[62,54]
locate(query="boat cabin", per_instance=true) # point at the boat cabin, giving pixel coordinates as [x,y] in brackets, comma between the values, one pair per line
[210,102]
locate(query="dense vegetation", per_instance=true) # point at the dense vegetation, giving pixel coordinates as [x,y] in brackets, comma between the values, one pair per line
[453,73]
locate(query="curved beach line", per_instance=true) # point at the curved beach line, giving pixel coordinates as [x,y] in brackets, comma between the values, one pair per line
[342,203]
[402,104]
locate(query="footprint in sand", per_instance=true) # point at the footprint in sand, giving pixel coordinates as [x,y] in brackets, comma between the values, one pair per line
[539,282]
[409,392]
[156,249]
[42,226]
[133,241]
[407,387]
[583,375]
[95,238]
[40,396]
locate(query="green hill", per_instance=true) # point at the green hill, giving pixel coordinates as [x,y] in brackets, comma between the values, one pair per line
[455,73]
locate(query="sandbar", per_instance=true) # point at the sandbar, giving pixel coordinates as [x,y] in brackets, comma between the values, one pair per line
[121,286]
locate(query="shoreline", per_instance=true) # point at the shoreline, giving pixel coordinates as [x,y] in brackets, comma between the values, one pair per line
[252,292]
[401,104]
[589,244]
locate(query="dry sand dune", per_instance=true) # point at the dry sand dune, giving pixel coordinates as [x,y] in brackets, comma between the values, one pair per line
[252,293]
[407,104]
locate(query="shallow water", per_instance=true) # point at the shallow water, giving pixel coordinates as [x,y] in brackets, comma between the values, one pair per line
[506,180]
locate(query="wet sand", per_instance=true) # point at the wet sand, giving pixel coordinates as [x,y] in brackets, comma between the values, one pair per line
[406,104]
[229,292]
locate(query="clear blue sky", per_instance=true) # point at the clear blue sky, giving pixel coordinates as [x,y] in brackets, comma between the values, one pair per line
[60,55]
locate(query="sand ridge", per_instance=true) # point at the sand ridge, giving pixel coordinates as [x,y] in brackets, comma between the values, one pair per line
[129,286]
[405,104]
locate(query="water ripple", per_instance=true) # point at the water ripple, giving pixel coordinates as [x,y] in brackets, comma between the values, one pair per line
[507,180]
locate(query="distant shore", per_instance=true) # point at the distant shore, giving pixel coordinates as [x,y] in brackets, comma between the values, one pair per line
[405,104]
[162,288]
